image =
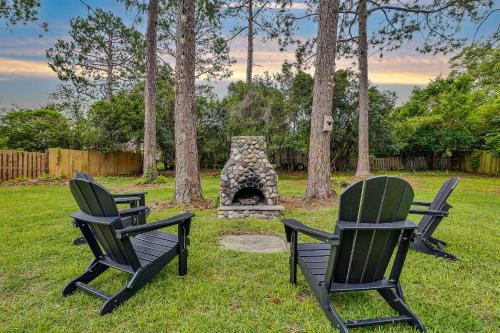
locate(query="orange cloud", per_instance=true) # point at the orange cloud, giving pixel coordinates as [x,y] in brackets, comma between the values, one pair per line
[11,68]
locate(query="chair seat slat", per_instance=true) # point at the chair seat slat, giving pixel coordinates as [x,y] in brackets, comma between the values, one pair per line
[154,242]
[314,253]
[313,246]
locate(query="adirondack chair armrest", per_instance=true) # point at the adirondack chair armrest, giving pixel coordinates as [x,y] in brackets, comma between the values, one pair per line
[122,200]
[342,225]
[294,225]
[81,216]
[127,195]
[421,203]
[142,228]
[133,211]
[429,212]
[130,197]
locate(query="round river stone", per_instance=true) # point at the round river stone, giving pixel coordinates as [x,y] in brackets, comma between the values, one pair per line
[253,243]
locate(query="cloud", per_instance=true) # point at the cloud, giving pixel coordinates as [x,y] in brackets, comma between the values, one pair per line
[23,52]
[15,68]
[399,67]
[396,69]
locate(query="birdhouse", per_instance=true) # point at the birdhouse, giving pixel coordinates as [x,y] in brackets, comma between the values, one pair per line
[327,123]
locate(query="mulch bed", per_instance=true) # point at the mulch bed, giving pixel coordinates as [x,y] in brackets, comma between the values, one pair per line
[298,202]
[198,204]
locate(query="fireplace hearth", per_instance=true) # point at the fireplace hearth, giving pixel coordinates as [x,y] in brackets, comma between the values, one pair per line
[248,181]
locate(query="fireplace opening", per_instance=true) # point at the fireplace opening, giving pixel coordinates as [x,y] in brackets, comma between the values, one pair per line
[249,196]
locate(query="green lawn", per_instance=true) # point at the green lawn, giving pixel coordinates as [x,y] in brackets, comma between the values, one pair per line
[229,291]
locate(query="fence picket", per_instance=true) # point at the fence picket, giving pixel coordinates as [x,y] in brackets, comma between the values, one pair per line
[65,162]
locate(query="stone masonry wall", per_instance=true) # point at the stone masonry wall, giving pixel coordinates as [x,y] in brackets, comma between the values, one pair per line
[248,166]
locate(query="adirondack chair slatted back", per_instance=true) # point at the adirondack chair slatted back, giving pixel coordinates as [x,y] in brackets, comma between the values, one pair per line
[429,223]
[95,200]
[364,255]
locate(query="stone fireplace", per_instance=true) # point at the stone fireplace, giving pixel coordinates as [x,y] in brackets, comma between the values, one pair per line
[249,184]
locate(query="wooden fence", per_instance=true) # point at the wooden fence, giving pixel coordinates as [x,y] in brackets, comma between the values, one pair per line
[480,162]
[15,164]
[65,162]
[396,163]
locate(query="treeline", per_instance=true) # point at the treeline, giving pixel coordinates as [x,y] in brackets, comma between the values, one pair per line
[105,63]
[460,112]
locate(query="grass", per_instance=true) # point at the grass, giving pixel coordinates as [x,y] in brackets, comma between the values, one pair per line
[229,291]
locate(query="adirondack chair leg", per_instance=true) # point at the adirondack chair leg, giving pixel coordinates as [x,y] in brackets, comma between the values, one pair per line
[323,297]
[117,300]
[399,305]
[183,262]
[443,254]
[94,270]
[334,317]
[293,258]
[437,242]
[424,247]
[399,291]
[79,241]
[139,279]
[182,234]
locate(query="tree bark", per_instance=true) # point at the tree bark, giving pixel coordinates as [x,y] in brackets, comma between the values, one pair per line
[250,42]
[318,176]
[109,68]
[187,176]
[149,166]
[363,168]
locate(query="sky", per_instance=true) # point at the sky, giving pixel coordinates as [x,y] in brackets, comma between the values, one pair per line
[26,80]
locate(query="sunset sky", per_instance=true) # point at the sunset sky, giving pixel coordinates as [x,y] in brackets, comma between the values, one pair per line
[25,78]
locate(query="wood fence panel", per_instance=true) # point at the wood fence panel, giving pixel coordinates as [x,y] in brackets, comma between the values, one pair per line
[489,164]
[65,162]
[15,164]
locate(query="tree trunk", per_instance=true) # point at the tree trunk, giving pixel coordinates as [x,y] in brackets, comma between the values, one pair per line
[109,68]
[363,168]
[149,167]
[250,42]
[318,175]
[187,176]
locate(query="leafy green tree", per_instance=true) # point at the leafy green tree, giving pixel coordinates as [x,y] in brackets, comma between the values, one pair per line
[481,62]
[279,108]
[458,113]
[15,12]
[35,130]
[257,109]
[118,123]
[102,56]
[213,144]
[345,114]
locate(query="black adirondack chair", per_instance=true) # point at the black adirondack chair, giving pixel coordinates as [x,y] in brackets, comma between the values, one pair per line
[437,210]
[371,225]
[135,199]
[140,250]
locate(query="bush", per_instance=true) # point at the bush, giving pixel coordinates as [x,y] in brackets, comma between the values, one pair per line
[144,180]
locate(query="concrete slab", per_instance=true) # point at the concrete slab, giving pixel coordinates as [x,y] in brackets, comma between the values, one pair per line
[254,243]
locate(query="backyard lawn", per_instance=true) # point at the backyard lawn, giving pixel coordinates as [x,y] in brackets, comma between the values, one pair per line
[229,291]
